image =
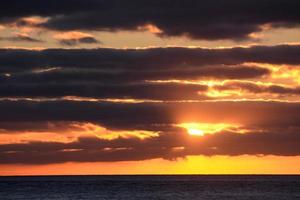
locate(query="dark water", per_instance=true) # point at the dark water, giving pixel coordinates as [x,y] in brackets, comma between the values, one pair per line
[151,187]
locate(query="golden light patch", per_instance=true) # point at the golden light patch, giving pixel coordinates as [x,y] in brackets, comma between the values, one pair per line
[38,136]
[103,133]
[39,71]
[70,132]
[280,73]
[71,35]
[112,135]
[238,89]
[151,28]
[201,129]
[225,93]
[193,131]
[287,73]
[35,20]
[30,24]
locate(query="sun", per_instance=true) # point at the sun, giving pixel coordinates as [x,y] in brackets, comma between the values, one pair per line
[196,132]
[201,129]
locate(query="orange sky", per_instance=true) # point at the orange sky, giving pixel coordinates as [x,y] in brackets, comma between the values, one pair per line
[190,165]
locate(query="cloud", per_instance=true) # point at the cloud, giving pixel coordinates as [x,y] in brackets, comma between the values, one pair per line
[57,82]
[265,128]
[75,38]
[167,146]
[258,88]
[19,60]
[127,73]
[153,91]
[21,37]
[136,116]
[208,20]
[40,127]
[84,40]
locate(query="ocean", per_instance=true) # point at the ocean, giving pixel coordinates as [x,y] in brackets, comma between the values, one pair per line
[159,187]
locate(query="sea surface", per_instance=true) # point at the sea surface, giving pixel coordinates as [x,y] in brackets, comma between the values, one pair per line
[210,187]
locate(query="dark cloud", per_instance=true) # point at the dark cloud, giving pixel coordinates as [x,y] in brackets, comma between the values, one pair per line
[143,115]
[120,84]
[210,20]
[77,41]
[20,38]
[164,146]
[17,60]
[113,114]
[80,74]
[152,91]
[41,127]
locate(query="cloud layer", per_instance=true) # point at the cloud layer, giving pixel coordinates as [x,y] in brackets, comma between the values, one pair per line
[269,128]
[127,104]
[209,20]
[152,74]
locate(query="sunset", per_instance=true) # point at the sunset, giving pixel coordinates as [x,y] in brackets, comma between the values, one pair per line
[141,87]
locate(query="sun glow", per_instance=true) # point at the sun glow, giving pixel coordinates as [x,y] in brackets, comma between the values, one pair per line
[197,132]
[201,129]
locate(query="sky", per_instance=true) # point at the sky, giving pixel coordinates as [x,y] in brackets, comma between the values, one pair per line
[149,87]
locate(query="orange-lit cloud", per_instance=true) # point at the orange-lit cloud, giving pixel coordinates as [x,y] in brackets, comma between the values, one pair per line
[201,129]
[68,132]
[103,133]
[74,38]
[151,28]
[71,35]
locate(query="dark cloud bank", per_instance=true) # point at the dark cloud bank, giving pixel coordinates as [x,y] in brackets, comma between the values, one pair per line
[116,73]
[209,20]
[139,115]
[82,40]
[97,150]
[274,130]
[145,59]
